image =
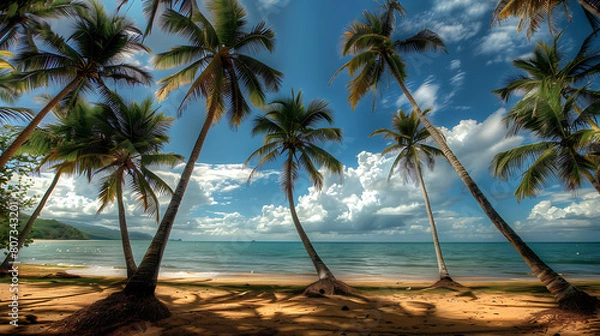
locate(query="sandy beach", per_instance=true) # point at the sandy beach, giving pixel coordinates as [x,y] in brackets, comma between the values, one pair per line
[267,305]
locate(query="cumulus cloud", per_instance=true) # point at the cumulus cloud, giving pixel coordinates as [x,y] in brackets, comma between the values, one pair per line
[74,199]
[564,216]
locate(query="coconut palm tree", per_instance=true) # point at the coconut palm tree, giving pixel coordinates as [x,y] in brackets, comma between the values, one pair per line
[557,153]
[561,111]
[218,68]
[532,13]
[95,51]
[137,134]
[547,68]
[8,91]
[370,43]
[412,153]
[52,143]
[290,129]
[17,18]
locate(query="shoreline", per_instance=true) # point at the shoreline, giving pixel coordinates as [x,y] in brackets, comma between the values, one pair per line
[169,274]
[37,270]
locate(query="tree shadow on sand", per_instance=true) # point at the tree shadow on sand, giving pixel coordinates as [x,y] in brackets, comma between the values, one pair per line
[202,310]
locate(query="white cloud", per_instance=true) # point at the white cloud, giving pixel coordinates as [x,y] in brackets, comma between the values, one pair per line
[564,217]
[426,96]
[458,80]
[504,43]
[74,199]
[456,32]
[455,64]
[472,8]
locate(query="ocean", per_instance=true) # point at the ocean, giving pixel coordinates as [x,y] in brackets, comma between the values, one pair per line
[401,261]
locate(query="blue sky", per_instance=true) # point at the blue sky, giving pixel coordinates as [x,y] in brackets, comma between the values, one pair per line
[219,205]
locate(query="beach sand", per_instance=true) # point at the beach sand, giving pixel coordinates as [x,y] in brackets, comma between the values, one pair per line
[266,305]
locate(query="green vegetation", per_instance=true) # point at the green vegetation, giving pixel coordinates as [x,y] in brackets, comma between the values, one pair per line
[101,233]
[53,229]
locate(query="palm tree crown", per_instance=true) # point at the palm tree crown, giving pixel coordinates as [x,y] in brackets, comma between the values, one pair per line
[96,50]
[18,18]
[9,92]
[558,108]
[532,13]
[137,134]
[376,52]
[289,129]
[409,145]
[215,62]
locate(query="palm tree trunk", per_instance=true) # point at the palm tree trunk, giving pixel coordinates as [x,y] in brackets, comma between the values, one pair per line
[29,225]
[26,133]
[322,270]
[143,282]
[563,291]
[593,181]
[592,6]
[436,243]
[127,252]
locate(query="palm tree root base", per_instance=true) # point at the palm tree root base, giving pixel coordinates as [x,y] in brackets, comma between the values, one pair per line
[106,315]
[581,303]
[447,282]
[329,286]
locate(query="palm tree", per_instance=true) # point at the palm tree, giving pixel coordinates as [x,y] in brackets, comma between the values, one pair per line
[558,110]
[17,18]
[291,132]
[8,91]
[52,144]
[557,154]
[374,52]
[137,134]
[95,51]
[412,153]
[547,68]
[532,13]
[220,71]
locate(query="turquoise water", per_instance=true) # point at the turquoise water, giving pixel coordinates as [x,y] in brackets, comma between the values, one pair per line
[369,260]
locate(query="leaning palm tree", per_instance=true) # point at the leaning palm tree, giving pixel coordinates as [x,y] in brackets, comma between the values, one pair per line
[374,52]
[532,13]
[217,66]
[412,153]
[94,52]
[136,134]
[9,91]
[17,18]
[291,132]
[52,143]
